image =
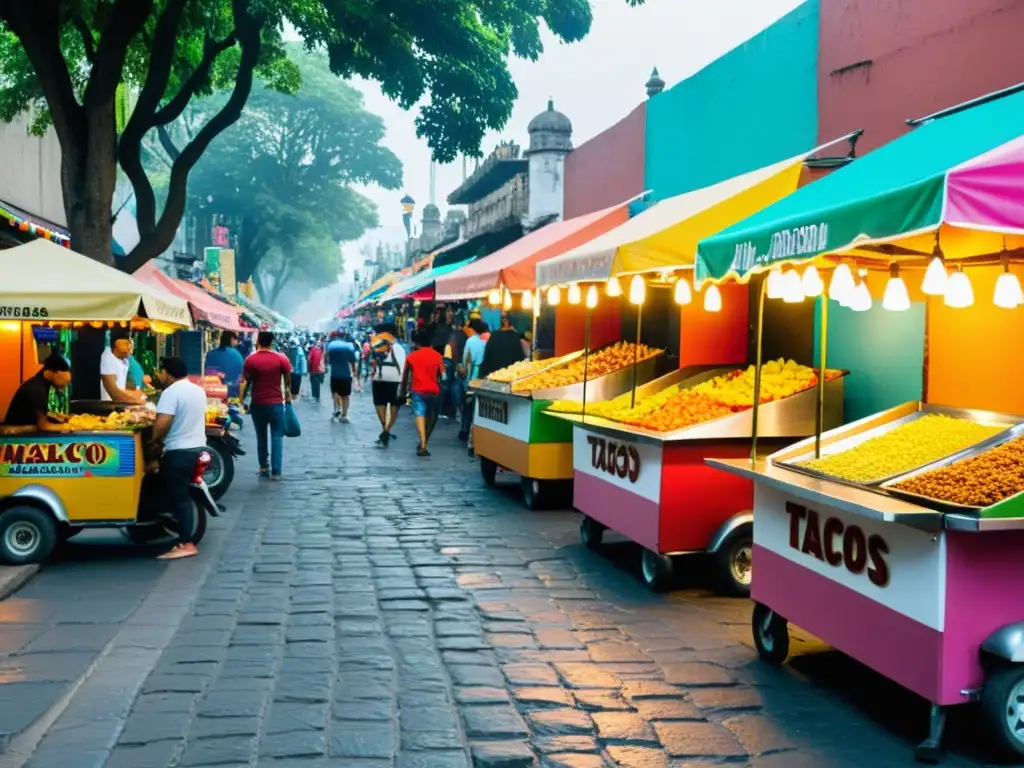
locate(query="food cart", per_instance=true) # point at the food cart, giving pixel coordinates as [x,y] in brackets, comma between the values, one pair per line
[91,472]
[897,538]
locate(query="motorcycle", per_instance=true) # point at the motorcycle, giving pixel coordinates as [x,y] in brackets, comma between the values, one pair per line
[224,447]
[155,522]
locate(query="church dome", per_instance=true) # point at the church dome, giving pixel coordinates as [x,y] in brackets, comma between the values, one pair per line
[550,131]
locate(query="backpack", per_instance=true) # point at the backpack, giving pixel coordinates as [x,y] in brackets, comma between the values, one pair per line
[383,346]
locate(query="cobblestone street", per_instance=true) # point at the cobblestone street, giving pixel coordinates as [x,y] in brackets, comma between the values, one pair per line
[377,609]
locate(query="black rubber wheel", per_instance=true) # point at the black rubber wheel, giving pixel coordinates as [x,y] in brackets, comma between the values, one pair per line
[1002,708]
[733,563]
[488,470]
[657,570]
[534,492]
[27,535]
[591,533]
[221,472]
[771,635]
[165,529]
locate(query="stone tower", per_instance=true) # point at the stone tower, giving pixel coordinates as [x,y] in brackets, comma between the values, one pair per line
[550,142]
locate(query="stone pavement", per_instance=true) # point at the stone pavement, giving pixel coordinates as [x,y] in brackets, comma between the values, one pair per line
[380,610]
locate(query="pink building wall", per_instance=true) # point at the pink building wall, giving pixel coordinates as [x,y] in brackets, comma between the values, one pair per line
[925,55]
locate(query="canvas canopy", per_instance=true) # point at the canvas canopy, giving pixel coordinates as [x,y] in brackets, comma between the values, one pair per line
[205,308]
[420,283]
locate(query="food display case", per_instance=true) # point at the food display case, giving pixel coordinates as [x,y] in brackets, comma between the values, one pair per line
[654,488]
[512,432]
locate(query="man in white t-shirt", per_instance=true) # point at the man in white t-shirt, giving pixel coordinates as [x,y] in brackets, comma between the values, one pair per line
[114,370]
[389,360]
[180,427]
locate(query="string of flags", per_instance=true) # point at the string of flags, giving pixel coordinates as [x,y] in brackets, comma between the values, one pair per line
[25,225]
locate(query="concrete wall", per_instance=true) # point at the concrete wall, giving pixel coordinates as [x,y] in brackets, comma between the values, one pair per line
[30,171]
[547,177]
[607,169]
[752,107]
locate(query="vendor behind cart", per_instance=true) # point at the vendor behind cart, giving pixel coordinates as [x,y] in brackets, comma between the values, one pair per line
[30,406]
[114,368]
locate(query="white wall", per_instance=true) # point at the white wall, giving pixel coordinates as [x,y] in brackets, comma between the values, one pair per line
[547,178]
[30,171]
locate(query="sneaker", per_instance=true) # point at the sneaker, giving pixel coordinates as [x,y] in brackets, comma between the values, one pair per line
[344,420]
[264,473]
[422,452]
[336,415]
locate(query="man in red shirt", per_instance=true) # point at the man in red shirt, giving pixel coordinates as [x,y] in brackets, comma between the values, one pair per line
[269,374]
[424,371]
[317,368]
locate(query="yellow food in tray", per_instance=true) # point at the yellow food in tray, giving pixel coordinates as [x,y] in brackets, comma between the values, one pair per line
[980,481]
[518,370]
[132,418]
[900,450]
[608,360]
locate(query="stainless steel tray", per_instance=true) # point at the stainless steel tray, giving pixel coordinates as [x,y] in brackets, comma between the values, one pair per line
[856,438]
[505,388]
[948,506]
[790,417]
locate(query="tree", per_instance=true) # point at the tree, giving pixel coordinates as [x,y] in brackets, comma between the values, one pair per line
[283,176]
[66,59]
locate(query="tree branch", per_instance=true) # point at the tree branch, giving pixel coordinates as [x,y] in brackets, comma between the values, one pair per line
[168,144]
[87,39]
[173,109]
[127,18]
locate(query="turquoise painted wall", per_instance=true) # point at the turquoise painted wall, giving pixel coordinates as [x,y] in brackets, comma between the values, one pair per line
[754,106]
[883,350]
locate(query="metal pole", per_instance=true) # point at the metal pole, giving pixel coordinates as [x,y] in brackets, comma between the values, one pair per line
[757,369]
[819,417]
[586,361]
[636,353]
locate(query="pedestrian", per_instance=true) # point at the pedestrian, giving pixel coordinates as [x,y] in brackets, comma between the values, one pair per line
[423,374]
[455,391]
[472,358]
[526,339]
[504,348]
[316,363]
[268,373]
[180,432]
[227,361]
[367,353]
[299,369]
[343,361]
[389,363]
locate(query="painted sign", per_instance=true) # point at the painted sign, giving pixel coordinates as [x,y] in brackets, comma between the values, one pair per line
[227,271]
[68,456]
[493,409]
[632,466]
[510,417]
[24,312]
[620,459]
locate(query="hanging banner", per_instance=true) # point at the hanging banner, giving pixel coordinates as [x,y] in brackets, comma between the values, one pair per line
[211,266]
[227,272]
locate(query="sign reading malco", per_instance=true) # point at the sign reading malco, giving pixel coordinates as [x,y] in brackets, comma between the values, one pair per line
[493,409]
[24,312]
[620,459]
[66,457]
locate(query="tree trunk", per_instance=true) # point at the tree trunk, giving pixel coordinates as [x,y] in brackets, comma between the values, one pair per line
[89,176]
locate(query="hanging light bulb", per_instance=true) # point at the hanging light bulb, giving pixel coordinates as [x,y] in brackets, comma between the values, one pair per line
[507,304]
[842,284]
[860,298]
[637,290]
[527,299]
[683,294]
[591,297]
[712,299]
[936,280]
[613,287]
[792,287]
[896,298]
[776,287]
[959,292]
[811,282]
[554,295]
[1008,294]
[494,297]
[575,295]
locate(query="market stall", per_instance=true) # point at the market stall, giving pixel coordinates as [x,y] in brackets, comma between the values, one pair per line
[89,470]
[638,460]
[897,538]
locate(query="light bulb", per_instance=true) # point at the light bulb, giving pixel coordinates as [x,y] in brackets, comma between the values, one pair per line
[613,287]
[896,298]
[554,295]
[842,285]
[712,299]
[637,290]
[935,278]
[536,305]
[591,297]
[860,299]
[527,299]
[494,297]
[811,282]
[959,292]
[683,294]
[575,295]
[792,287]
[776,286]
[1008,294]
[507,304]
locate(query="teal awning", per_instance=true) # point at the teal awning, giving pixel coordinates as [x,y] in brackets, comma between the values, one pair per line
[416,283]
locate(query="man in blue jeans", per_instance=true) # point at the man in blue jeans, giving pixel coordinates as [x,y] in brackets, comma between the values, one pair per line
[269,374]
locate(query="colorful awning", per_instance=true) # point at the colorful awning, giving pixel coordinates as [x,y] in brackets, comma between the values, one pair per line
[412,287]
[514,266]
[380,285]
[665,236]
[961,174]
[205,308]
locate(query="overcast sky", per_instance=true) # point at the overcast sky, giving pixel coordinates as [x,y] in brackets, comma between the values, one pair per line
[595,82]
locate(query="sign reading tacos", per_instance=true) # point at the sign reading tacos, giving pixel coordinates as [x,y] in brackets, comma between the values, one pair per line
[840,545]
[493,409]
[24,312]
[71,456]
[620,459]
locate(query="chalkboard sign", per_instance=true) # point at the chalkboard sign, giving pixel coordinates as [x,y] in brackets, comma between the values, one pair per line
[190,349]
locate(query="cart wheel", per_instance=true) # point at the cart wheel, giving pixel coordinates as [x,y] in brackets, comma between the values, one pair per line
[771,635]
[221,472]
[534,493]
[1002,705]
[733,563]
[27,535]
[591,533]
[657,570]
[488,469]
[165,529]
